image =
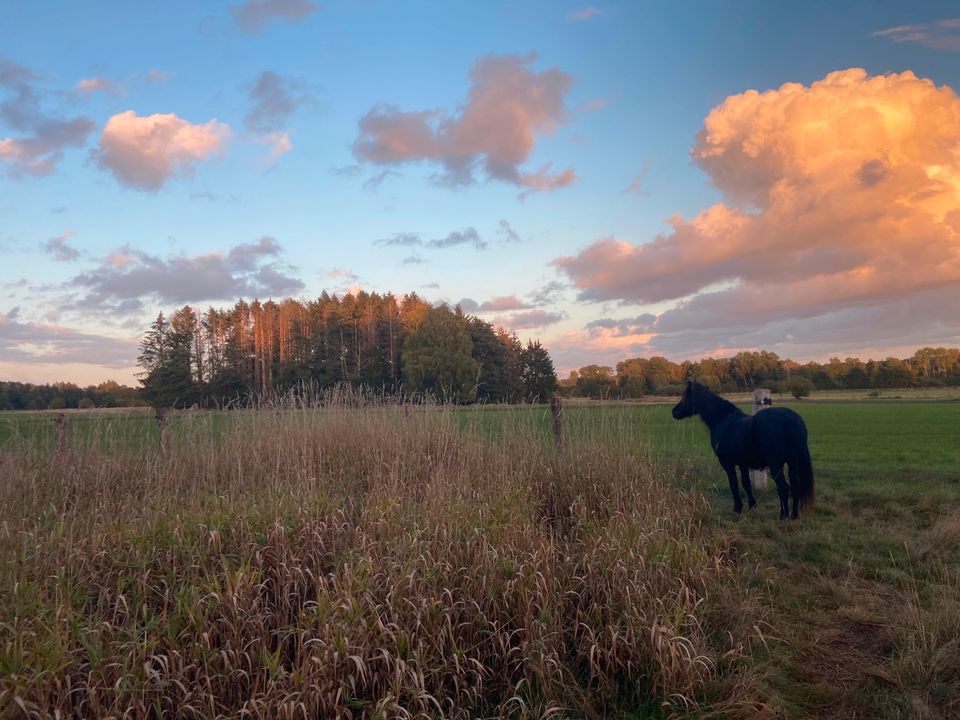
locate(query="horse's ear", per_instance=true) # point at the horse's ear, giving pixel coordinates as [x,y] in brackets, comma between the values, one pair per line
[690,384]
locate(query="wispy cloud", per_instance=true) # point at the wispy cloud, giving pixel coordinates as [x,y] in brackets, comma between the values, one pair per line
[507,233]
[253,16]
[99,84]
[940,35]
[274,99]
[638,185]
[456,238]
[375,181]
[59,248]
[584,14]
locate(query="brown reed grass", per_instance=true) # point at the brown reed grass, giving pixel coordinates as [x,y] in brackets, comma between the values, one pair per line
[359,562]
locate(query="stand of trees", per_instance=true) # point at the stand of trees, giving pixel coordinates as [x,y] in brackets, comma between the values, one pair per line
[636,377]
[26,396]
[258,349]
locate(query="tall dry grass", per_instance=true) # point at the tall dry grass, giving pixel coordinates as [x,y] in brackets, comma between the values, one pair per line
[341,562]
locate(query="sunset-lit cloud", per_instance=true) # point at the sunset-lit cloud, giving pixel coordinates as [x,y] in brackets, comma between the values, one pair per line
[503,303]
[638,185]
[274,99]
[253,16]
[495,132]
[59,247]
[529,320]
[842,194]
[144,152]
[279,144]
[246,270]
[99,84]
[41,137]
[29,342]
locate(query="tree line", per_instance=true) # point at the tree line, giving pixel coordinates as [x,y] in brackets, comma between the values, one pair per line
[261,349]
[636,377]
[58,396]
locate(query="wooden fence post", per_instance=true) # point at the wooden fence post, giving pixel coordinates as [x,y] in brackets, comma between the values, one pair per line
[61,422]
[761,401]
[556,409]
[163,439]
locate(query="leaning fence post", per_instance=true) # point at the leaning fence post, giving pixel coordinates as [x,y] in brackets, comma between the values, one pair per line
[61,422]
[163,439]
[556,409]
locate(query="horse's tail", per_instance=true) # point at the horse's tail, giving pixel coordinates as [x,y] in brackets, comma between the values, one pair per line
[805,495]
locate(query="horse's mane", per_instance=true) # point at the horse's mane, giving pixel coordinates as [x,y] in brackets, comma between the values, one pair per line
[711,406]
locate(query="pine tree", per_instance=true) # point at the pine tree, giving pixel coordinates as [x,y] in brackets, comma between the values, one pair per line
[538,374]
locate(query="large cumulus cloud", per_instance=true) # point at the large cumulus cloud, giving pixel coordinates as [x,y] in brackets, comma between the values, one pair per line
[844,194]
[508,106]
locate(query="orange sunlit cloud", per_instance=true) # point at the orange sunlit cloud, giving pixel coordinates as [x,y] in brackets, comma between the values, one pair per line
[846,192]
[146,151]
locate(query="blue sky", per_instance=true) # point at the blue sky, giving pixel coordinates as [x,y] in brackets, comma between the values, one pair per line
[634,84]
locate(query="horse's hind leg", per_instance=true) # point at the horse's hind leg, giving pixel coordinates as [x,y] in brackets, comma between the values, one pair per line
[747,485]
[794,464]
[776,472]
[731,471]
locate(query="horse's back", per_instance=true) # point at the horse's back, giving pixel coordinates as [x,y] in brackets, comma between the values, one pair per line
[780,432]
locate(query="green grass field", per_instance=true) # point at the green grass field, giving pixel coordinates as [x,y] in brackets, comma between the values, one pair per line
[855,608]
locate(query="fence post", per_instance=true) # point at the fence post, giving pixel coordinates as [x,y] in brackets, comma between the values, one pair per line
[163,439]
[761,401]
[61,422]
[556,409]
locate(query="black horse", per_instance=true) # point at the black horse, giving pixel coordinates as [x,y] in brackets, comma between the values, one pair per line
[769,439]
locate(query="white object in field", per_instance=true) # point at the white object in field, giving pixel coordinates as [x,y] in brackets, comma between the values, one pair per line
[761,401]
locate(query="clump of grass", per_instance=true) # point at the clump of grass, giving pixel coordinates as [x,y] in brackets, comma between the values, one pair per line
[344,562]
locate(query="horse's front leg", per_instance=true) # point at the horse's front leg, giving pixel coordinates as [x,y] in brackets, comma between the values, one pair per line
[731,471]
[747,485]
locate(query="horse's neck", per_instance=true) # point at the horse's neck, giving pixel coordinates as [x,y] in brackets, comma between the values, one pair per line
[716,409]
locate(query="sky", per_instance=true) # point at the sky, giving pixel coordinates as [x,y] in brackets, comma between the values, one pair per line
[619,180]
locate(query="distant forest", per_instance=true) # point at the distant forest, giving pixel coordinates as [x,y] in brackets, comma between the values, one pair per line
[262,349]
[259,349]
[636,377]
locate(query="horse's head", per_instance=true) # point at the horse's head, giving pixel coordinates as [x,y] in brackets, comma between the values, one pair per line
[687,405]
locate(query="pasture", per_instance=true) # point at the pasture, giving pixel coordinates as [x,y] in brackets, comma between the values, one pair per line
[447,563]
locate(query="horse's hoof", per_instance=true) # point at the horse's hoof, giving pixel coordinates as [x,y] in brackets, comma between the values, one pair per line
[753,504]
[738,509]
